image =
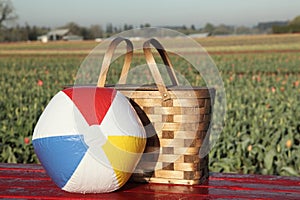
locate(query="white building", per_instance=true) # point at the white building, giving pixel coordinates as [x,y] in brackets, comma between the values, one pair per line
[59,34]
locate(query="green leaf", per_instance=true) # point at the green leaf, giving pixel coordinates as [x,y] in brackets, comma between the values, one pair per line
[268,161]
[290,171]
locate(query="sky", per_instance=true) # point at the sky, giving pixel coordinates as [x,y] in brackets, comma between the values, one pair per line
[55,13]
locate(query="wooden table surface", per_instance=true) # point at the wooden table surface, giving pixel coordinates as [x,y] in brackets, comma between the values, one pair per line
[22,181]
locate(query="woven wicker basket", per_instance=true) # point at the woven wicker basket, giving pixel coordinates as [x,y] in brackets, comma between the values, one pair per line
[176,120]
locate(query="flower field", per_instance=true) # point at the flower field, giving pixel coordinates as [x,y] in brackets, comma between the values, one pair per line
[261,75]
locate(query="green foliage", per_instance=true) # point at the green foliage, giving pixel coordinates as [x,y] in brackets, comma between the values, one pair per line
[27,85]
[262,131]
[295,21]
[292,27]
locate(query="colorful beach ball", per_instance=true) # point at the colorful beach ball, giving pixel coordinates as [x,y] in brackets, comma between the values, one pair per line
[89,139]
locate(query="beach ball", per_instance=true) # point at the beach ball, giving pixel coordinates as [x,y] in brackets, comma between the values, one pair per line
[89,139]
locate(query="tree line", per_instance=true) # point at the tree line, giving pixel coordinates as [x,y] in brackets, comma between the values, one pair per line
[31,33]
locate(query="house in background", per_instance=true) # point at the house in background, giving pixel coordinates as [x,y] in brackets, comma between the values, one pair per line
[59,34]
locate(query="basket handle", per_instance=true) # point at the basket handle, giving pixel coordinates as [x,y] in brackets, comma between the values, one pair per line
[154,69]
[107,61]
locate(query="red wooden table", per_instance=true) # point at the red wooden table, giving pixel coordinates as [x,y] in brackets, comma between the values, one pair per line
[20,181]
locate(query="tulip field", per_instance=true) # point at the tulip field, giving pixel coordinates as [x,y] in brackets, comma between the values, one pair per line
[261,75]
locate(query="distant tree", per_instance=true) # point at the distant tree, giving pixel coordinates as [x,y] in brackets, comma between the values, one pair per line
[145,25]
[242,30]
[7,12]
[126,27]
[74,28]
[116,30]
[16,33]
[96,31]
[193,27]
[109,28]
[295,25]
[295,21]
[209,28]
[85,33]
[33,32]
[281,29]
[266,27]
[292,27]
[223,30]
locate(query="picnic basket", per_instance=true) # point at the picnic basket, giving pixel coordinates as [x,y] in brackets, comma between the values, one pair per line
[176,119]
